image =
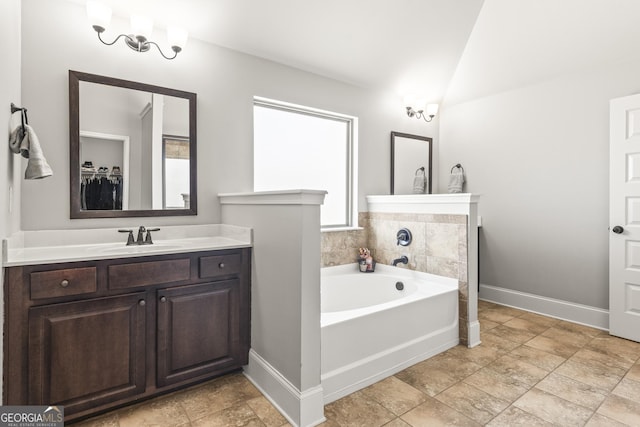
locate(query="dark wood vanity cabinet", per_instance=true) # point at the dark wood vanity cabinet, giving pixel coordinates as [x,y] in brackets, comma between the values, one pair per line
[87,353]
[98,334]
[191,344]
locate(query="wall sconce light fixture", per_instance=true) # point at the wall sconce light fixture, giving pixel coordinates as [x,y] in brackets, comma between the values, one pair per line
[427,116]
[100,16]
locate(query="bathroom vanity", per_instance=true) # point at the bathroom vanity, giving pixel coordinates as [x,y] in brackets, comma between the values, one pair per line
[94,334]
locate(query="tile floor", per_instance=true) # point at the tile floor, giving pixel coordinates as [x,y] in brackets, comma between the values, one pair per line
[530,370]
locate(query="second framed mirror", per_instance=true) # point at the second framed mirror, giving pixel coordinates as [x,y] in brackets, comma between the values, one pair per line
[411,161]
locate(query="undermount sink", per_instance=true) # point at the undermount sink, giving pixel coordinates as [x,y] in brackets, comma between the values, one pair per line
[134,249]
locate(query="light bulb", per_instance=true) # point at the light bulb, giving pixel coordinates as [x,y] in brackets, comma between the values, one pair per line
[141,26]
[432,110]
[408,100]
[177,37]
[99,15]
[419,104]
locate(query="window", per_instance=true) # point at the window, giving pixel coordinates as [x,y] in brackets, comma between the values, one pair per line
[298,147]
[176,173]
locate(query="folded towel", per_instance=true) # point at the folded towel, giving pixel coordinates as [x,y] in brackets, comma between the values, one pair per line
[420,182]
[456,179]
[27,144]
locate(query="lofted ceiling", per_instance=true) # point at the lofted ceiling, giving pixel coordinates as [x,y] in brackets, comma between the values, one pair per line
[517,43]
[437,49]
[403,46]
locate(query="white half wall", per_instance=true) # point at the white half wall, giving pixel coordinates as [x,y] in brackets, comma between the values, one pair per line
[285,355]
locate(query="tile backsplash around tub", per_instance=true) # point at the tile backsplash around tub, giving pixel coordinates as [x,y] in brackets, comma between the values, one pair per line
[439,242]
[341,247]
[439,247]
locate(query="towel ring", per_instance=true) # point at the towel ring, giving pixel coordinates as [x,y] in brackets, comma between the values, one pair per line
[457,166]
[14,108]
[23,116]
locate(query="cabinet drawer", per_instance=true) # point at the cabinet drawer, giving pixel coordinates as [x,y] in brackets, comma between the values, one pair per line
[148,273]
[60,283]
[220,265]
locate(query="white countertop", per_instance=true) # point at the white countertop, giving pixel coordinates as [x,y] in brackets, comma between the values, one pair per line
[57,246]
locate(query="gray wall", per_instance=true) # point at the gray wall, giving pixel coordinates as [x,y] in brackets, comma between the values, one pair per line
[225,82]
[10,164]
[539,157]
[10,171]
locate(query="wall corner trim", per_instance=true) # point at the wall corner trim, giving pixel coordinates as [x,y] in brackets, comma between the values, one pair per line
[300,408]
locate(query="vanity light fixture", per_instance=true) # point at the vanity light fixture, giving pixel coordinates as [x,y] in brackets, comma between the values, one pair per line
[431,111]
[100,16]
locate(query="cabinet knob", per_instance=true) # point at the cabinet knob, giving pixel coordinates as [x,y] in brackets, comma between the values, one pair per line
[64,283]
[142,303]
[221,265]
[163,299]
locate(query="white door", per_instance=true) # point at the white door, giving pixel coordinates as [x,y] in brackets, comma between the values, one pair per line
[624,218]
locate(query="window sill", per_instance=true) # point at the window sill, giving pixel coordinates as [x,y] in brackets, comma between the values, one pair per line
[330,229]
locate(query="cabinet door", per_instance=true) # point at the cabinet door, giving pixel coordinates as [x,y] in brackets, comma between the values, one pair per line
[198,331]
[83,354]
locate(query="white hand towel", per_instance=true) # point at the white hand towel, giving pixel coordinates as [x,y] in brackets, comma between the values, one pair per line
[420,182]
[456,179]
[28,145]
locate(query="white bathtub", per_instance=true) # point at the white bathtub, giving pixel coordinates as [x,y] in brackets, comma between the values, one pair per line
[371,330]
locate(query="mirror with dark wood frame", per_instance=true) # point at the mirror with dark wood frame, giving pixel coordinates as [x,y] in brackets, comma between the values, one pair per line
[411,155]
[132,148]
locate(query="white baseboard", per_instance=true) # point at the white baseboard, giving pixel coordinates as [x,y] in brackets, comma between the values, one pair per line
[301,409]
[474,334]
[565,310]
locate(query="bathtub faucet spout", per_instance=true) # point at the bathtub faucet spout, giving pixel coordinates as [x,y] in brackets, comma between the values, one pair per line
[403,259]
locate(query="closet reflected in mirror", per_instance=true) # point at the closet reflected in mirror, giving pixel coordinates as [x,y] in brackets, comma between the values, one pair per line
[104,187]
[133,148]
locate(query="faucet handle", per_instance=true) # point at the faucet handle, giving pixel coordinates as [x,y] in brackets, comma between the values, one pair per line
[148,240]
[130,240]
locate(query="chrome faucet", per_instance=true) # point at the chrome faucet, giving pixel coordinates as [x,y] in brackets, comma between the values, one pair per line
[141,240]
[403,259]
